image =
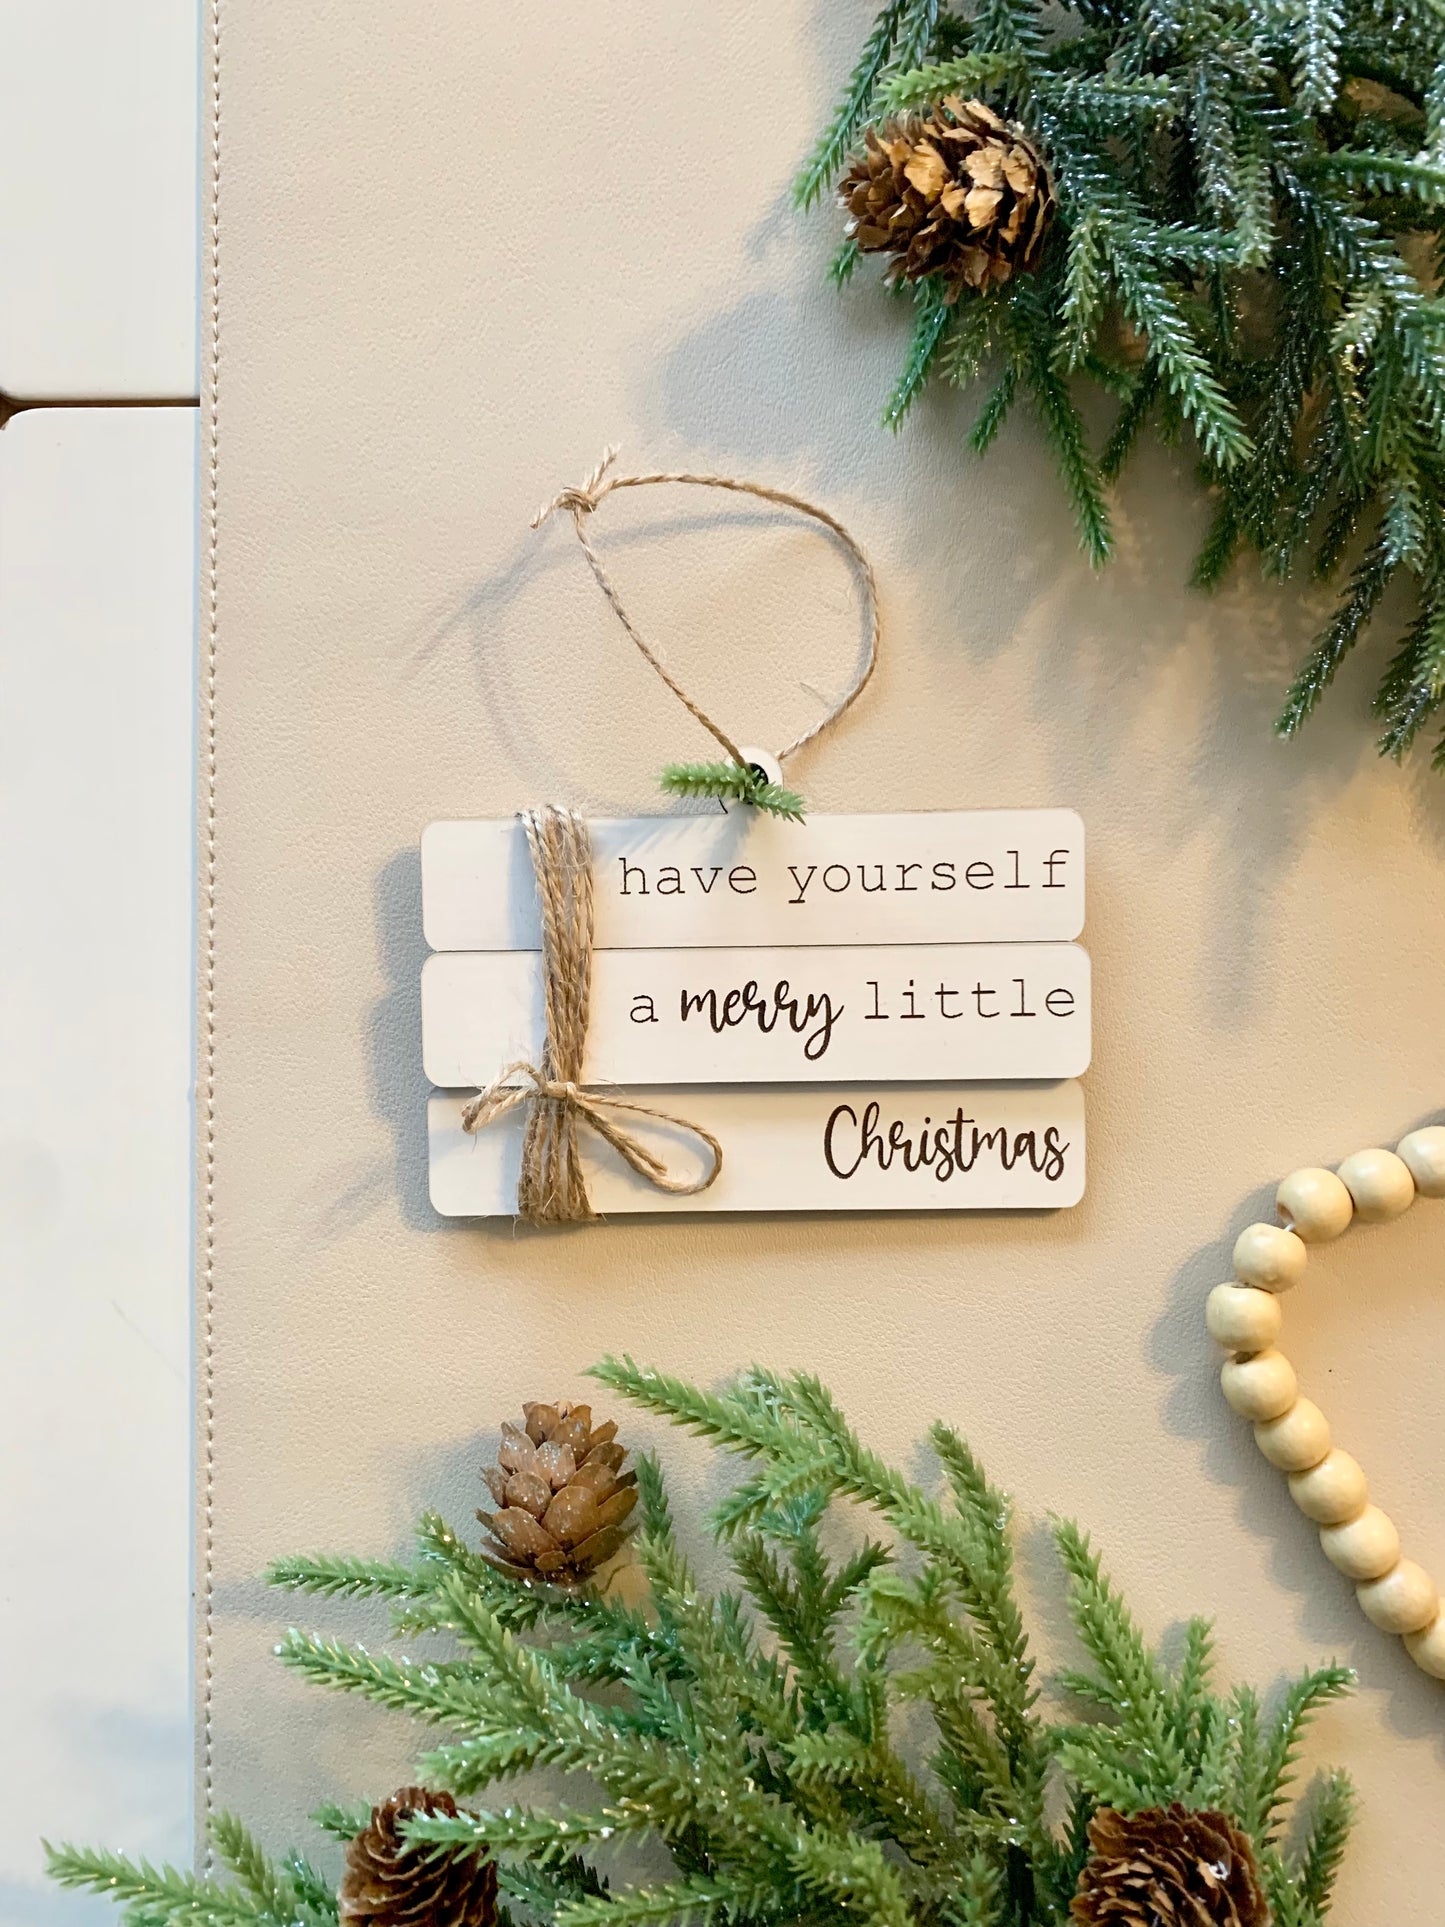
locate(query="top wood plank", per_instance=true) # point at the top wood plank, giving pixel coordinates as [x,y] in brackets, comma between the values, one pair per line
[743,878]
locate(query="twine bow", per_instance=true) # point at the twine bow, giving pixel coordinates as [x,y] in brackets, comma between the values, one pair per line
[551,1185]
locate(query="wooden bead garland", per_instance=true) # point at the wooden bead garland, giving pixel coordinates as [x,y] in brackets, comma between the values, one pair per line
[1259,1383]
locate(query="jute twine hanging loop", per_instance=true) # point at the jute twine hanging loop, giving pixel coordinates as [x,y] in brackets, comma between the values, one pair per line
[583,502]
[551,1186]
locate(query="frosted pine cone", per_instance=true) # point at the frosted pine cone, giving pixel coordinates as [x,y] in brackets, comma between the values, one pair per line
[561,1493]
[1168,1867]
[959,193]
[389,1883]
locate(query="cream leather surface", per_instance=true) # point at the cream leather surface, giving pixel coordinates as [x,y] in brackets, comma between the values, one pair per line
[461,248]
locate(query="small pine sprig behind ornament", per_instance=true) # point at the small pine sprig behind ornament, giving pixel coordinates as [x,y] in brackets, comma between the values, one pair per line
[733,783]
[1228,219]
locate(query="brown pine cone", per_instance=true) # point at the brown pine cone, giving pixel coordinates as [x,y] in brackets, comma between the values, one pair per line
[562,1495]
[958,192]
[1168,1867]
[388,1883]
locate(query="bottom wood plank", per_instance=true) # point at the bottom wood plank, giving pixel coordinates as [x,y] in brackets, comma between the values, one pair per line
[875,1147]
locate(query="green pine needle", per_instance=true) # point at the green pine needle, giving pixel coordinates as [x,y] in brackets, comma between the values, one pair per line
[1321,27]
[1385,174]
[930,326]
[732,783]
[1354,610]
[971,73]
[346,1578]
[163,1896]
[821,168]
[840,268]
[342,1823]
[1330,1820]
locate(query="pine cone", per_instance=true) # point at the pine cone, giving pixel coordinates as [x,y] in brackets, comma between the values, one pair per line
[388,1883]
[562,1494]
[958,192]
[1168,1867]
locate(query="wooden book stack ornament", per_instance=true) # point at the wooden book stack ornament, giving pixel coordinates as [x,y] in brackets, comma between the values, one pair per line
[751,1011]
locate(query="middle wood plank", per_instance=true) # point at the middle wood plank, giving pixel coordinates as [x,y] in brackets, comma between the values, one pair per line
[894,1014]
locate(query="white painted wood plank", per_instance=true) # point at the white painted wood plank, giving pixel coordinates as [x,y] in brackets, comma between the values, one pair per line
[96,621]
[945,876]
[976,1012]
[98,183]
[806,1148]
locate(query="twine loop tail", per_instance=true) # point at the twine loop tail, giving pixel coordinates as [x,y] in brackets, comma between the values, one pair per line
[551,1184]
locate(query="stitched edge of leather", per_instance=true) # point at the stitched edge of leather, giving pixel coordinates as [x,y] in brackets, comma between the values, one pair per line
[207,933]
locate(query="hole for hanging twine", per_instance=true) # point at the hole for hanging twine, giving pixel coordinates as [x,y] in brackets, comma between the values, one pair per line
[766,768]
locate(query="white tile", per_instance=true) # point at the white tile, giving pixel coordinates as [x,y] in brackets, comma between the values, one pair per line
[97,568]
[98,223]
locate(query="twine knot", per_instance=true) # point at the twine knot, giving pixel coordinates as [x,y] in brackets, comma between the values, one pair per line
[581,501]
[551,1185]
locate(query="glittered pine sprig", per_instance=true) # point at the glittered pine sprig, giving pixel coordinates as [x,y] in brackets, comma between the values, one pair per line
[733,783]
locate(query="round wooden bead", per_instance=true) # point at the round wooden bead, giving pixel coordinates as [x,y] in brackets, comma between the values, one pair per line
[1316,1202]
[1259,1388]
[1296,1441]
[1380,1184]
[1424,1153]
[1427,1647]
[1405,1600]
[1332,1491]
[1269,1257]
[1243,1319]
[1363,1548]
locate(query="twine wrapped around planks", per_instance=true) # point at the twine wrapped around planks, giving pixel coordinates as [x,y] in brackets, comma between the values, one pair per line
[551,1185]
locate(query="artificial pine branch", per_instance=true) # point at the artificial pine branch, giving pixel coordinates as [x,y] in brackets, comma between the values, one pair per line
[733,783]
[150,1894]
[343,1578]
[930,323]
[271,1887]
[1302,1699]
[314,1892]
[1246,241]
[746,1764]
[827,157]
